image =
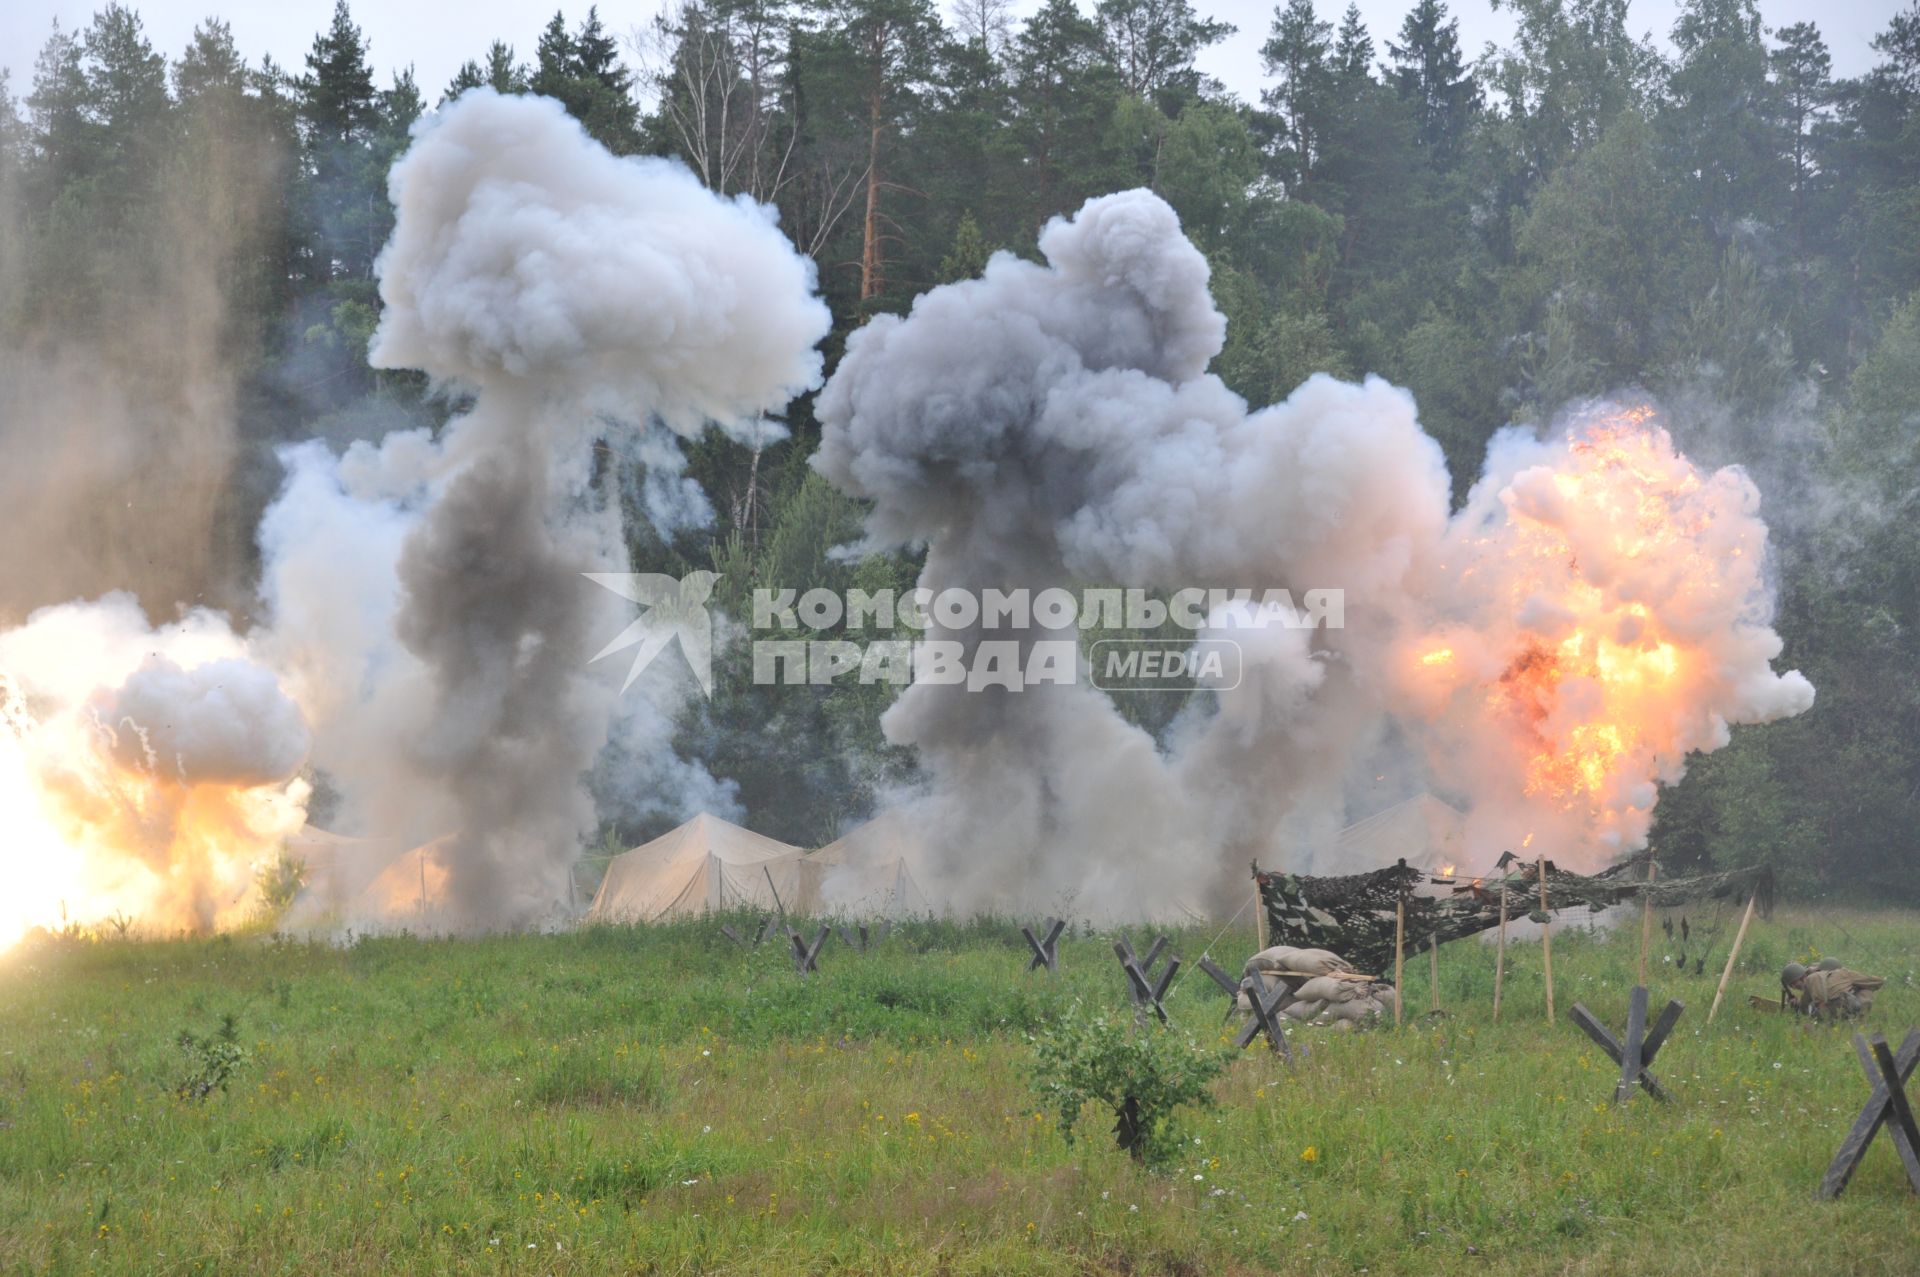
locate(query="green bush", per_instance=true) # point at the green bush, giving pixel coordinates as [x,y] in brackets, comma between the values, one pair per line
[1144,1076]
[211,1060]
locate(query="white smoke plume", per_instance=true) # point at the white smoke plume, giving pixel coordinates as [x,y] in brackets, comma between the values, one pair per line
[1053,425]
[428,592]
[225,722]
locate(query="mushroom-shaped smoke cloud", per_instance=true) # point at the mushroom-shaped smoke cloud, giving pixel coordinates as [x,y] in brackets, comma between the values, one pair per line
[430,591]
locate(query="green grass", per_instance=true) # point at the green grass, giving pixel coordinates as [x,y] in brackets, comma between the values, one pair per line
[654,1100]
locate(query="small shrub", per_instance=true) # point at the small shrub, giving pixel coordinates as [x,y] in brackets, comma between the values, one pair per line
[1143,1076]
[279,881]
[211,1060]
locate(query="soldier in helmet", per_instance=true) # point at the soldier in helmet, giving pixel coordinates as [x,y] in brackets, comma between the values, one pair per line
[1828,991]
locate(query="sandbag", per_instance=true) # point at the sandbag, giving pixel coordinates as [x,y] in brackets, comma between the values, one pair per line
[1326,988]
[1273,959]
[1356,1009]
[1302,1010]
[1316,962]
[1386,996]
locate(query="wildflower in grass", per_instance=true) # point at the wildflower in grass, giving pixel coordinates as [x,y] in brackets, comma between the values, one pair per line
[1311,1153]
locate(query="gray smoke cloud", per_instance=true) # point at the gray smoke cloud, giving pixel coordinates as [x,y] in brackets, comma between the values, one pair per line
[428,591]
[1053,424]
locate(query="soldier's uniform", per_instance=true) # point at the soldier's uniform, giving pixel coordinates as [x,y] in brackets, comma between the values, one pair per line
[1829,991]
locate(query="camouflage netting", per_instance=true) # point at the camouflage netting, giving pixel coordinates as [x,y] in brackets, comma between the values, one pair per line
[1354,915]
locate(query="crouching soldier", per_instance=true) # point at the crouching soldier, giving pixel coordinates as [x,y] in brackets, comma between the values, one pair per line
[1828,991]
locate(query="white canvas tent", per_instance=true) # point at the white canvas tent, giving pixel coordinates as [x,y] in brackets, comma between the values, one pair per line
[705,865]
[868,871]
[1427,833]
[338,868]
[414,884]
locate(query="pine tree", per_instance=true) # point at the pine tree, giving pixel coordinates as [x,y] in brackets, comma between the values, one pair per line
[875,62]
[126,78]
[469,76]
[1063,93]
[1803,93]
[1428,73]
[1718,117]
[503,74]
[986,23]
[967,258]
[1298,55]
[582,70]
[212,65]
[338,104]
[1352,51]
[1151,44]
[553,57]
[57,113]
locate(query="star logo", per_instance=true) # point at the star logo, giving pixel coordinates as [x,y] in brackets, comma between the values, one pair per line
[669,610]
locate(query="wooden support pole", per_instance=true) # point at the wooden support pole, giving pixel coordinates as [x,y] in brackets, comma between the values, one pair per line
[1259,915]
[776,895]
[1500,955]
[1646,920]
[1733,955]
[1399,956]
[1546,939]
[1433,953]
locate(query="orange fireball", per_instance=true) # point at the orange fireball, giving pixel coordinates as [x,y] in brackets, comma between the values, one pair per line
[1602,615]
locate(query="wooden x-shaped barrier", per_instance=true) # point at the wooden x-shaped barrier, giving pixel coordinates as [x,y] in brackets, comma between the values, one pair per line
[1635,1055]
[1227,984]
[861,939]
[1887,1074]
[1267,1017]
[1146,994]
[806,957]
[766,925]
[1046,954]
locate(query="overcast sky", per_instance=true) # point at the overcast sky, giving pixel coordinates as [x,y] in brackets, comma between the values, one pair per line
[428,33]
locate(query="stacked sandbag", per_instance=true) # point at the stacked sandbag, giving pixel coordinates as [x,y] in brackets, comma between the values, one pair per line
[1291,961]
[1322,987]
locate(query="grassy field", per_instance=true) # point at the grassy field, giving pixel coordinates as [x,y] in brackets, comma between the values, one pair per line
[653,1100]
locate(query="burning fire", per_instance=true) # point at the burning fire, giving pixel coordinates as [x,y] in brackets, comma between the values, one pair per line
[1606,618]
[138,788]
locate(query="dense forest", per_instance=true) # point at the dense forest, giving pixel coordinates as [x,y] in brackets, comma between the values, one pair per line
[1726,227]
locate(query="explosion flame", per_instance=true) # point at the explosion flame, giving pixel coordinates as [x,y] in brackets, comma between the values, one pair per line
[1608,617]
[144,776]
